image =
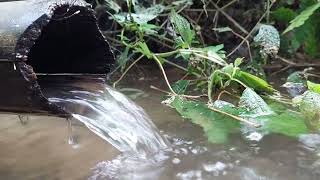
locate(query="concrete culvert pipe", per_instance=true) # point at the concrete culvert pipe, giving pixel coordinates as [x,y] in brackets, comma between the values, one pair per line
[43,39]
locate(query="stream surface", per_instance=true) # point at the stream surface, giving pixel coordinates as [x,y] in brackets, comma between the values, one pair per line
[40,149]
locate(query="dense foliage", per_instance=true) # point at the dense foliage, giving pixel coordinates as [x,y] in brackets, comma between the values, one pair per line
[222,48]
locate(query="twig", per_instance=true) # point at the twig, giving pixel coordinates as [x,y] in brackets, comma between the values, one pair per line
[163,44]
[158,89]
[250,33]
[285,60]
[230,18]
[235,117]
[126,71]
[247,42]
[281,70]
[164,74]
[182,95]
[226,92]
[176,65]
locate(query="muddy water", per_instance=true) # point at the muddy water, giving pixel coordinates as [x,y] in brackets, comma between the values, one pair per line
[40,150]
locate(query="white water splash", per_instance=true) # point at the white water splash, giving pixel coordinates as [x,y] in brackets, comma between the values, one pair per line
[115,118]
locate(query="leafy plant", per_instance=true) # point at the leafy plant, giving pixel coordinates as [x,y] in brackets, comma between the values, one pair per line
[302,17]
[303,28]
[218,126]
[165,34]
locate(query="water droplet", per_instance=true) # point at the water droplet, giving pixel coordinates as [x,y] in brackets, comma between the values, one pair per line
[23,119]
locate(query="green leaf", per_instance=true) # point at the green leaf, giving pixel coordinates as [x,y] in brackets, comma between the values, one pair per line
[182,3]
[182,27]
[123,58]
[296,77]
[254,104]
[180,86]
[254,82]
[229,69]
[153,10]
[238,62]
[143,16]
[215,49]
[296,83]
[215,52]
[313,87]
[287,123]
[217,127]
[149,29]
[144,49]
[274,117]
[309,105]
[113,5]
[302,17]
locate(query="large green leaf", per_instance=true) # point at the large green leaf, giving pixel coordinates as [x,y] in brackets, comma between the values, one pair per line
[283,122]
[302,17]
[182,27]
[287,123]
[254,82]
[217,127]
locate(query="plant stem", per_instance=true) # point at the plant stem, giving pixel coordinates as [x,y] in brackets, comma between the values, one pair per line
[126,71]
[235,117]
[164,73]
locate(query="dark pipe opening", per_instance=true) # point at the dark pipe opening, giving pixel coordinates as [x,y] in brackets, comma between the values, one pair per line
[71,43]
[61,48]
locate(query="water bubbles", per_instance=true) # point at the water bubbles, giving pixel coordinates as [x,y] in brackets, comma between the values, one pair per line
[190,175]
[254,136]
[176,161]
[216,169]
[198,149]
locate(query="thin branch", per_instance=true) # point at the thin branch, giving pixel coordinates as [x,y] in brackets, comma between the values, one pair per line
[230,18]
[235,117]
[126,71]
[158,89]
[250,33]
[247,42]
[164,74]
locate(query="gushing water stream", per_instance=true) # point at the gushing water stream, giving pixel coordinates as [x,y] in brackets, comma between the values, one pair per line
[115,118]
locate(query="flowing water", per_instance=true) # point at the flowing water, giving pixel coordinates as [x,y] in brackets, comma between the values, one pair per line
[113,117]
[39,149]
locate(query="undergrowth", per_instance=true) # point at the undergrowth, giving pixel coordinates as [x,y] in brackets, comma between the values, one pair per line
[222,48]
